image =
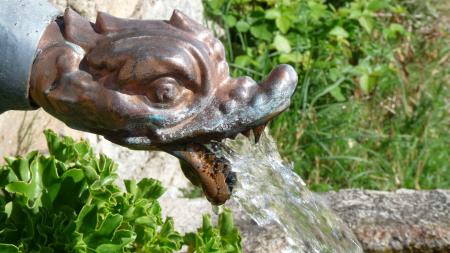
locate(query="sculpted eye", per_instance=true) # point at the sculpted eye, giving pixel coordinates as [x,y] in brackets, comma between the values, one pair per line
[165,90]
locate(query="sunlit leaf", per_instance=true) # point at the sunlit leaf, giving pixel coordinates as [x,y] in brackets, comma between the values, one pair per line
[272,14]
[281,43]
[230,20]
[339,32]
[242,26]
[367,23]
[377,5]
[283,23]
[261,32]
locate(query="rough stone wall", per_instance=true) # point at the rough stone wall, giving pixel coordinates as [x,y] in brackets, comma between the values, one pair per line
[400,221]
[21,132]
[404,221]
[134,9]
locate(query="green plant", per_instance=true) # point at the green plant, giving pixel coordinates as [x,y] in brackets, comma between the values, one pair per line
[371,109]
[224,238]
[69,202]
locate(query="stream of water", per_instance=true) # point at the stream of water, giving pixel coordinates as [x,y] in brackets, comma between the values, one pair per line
[269,191]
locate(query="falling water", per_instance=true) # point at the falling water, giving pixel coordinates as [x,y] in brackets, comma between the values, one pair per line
[270,192]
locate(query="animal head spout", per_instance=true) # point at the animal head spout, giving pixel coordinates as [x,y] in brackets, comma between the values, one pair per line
[178,72]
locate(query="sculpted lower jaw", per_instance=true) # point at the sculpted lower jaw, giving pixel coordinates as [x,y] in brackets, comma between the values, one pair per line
[205,168]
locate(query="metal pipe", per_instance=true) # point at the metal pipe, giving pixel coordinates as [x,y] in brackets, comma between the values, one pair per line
[22,23]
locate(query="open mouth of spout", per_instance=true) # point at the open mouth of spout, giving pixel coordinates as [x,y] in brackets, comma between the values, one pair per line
[204,166]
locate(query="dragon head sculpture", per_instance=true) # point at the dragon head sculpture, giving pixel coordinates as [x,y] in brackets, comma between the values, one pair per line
[153,84]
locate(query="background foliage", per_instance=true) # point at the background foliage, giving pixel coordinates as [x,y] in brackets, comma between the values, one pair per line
[69,202]
[372,106]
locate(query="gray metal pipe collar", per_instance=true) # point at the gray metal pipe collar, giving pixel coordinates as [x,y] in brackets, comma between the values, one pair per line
[22,23]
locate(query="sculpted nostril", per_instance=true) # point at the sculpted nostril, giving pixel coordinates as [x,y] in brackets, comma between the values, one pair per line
[228,107]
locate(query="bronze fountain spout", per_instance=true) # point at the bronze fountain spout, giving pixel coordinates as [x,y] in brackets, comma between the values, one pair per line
[153,84]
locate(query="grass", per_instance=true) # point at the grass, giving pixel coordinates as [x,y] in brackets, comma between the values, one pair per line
[387,141]
[395,136]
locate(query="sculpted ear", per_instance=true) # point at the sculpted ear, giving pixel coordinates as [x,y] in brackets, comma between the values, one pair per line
[106,23]
[185,23]
[79,30]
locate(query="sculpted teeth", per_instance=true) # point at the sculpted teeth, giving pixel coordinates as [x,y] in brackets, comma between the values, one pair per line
[257,131]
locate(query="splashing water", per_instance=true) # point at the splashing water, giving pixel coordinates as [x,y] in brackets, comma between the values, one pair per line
[269,191]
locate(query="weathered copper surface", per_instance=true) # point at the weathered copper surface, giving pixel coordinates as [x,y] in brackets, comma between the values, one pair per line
[153,84]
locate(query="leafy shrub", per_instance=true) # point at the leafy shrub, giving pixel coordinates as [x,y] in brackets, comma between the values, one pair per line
[370,110]
[69,202]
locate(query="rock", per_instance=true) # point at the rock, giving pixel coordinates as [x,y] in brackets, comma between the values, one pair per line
[22,131]
[162,9]
[400,221]
[135,9]
[89,9]
[384,222]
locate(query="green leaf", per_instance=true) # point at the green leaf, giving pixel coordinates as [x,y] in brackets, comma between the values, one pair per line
[109,248]
[242,26]
[230,20]
[283,23]
[336,93]
[6,176]
[242,60]
[367,23]
[317,10]
[31,189]
[8,248]
[226,223]
[215,4]
[367,82]
[272,14]
[339,32]
[150,189]
[364,83]
[394,31]
[261,32]
[293,57]
[131,186]
[281,43]
[377,5]
[206,223]
[222,238]
[86,221]
[109,225]
[22,170]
